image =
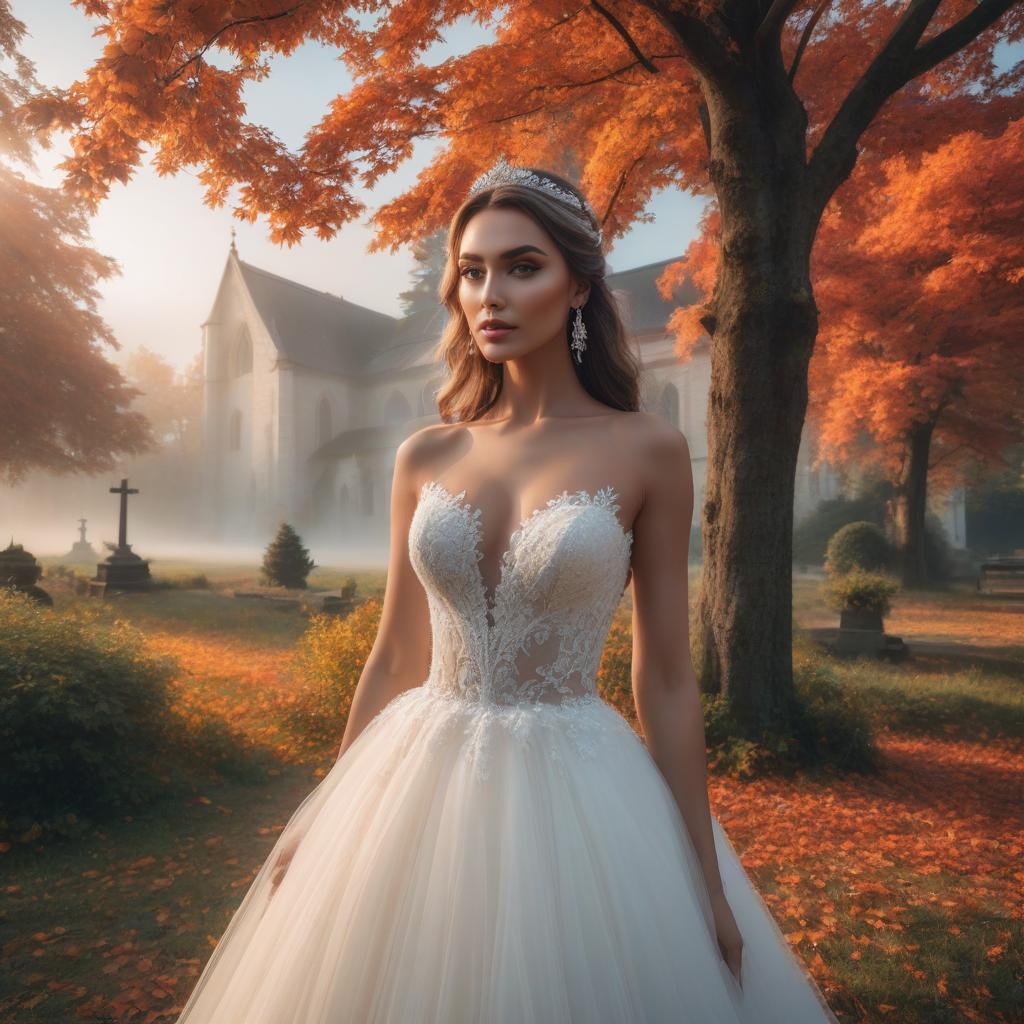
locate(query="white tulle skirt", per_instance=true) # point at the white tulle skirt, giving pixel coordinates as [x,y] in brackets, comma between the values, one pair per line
[469,863]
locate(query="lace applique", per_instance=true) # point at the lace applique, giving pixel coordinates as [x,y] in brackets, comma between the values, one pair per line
[534,645]
[585,723]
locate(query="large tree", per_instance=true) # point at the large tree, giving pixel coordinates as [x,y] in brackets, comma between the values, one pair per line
[65,405]
[922,343]
[764,102]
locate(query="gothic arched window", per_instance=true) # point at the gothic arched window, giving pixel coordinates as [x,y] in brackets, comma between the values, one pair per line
[235,431]
[396,408]
[323,421]
[242,362]
[668,404]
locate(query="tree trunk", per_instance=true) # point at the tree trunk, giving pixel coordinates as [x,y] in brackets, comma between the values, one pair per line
[911,506]
[763,322]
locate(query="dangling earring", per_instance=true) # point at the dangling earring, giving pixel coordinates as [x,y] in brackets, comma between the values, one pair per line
[579,335]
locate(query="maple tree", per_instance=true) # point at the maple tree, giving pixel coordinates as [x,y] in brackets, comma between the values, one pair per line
[920,351]
[767,104]
[172,402]
[65,406]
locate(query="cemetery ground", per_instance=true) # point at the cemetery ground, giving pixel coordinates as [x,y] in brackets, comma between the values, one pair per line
[900,890]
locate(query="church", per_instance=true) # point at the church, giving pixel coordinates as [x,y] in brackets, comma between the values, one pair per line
[307,396]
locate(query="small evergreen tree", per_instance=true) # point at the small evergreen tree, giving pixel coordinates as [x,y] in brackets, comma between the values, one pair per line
[286,563]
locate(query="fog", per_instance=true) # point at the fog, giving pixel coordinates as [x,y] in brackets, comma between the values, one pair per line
[42,514]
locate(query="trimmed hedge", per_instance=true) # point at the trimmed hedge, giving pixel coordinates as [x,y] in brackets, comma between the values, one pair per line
[860,545]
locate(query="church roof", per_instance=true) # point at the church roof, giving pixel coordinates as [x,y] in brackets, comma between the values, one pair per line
[316,329]
[645,310]
[324,332]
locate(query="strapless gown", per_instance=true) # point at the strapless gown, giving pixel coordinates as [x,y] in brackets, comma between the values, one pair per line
[498,846]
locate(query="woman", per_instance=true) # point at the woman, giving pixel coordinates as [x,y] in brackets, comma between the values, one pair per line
[495,843]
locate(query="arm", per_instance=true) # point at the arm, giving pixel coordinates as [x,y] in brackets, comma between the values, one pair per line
[400,656]
[665,686]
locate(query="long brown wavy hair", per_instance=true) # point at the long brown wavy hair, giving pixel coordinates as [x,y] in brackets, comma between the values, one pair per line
[609,371]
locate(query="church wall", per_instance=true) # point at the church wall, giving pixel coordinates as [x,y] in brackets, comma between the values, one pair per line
[315,482]
[691,381]
[240,479]
[357,490]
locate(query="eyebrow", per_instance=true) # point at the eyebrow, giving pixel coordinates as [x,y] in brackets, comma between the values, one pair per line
[511,254]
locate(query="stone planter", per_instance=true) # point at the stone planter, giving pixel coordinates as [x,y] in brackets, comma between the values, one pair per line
[860,618]
[861,632]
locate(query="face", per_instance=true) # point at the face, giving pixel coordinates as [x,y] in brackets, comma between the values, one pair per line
[511,270]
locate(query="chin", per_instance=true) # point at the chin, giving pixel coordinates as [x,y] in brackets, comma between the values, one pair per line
[497,353]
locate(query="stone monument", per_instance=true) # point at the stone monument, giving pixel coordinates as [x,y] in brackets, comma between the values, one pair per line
[122,569]
[82,550]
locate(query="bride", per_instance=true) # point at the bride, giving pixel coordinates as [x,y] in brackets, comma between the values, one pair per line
[495,844]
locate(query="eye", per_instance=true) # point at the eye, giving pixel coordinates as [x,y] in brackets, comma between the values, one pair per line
[532,267]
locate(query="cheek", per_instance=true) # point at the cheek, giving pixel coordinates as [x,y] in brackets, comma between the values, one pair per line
[543,295]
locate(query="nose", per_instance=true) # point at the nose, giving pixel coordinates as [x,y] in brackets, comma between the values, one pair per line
[490,298]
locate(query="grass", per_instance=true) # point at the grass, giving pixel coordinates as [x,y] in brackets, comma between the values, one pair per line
[933,695]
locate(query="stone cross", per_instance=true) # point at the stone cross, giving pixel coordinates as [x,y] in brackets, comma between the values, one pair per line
[124,490]
[81,530]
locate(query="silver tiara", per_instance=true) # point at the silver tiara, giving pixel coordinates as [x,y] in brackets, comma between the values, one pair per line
[503,173]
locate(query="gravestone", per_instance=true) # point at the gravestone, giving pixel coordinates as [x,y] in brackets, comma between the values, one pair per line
[82,550]
[122,570]
[19,571]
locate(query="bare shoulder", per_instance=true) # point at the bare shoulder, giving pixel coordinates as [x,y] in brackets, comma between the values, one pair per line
[662,444]
[661,457]
[656,446]
[419,452]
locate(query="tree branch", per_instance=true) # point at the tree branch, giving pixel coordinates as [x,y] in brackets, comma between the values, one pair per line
[805,37]
[705,51]
[618,191]
[899,61]
[772,23]
[956,37]
[836,154]
[621,29]
[198,55]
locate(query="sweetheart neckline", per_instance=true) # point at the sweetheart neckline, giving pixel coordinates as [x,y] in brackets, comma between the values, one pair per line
[603,497]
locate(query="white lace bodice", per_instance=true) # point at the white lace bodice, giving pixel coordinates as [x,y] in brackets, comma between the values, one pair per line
[539,639]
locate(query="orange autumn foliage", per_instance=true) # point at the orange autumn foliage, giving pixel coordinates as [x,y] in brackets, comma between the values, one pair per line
[605,91]
[919,282]
[66,407]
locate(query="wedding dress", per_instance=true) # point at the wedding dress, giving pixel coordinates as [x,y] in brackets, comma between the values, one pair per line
[497,846]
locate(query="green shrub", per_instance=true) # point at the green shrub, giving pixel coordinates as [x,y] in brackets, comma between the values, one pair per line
[859,545]
[286,563]
[331,655]
[833,724]
[615,674]
[84,719]
[812,534]
[831,727]
[995,510]
[862,590]
[728,751]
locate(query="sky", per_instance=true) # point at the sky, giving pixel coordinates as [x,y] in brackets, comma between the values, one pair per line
[172,247]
